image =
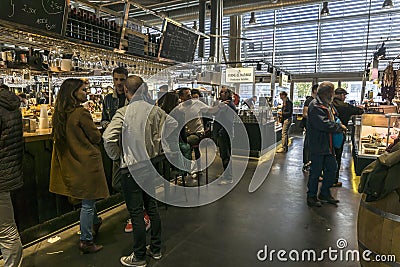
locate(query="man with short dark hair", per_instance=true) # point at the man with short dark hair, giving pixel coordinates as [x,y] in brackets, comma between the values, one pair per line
[286,120]
[115,100]
[345,111]
[142,124]
[11,154]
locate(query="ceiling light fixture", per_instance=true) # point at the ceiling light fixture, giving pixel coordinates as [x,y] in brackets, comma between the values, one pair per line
[325,9]
[387,4]
[195,25]
[252,18]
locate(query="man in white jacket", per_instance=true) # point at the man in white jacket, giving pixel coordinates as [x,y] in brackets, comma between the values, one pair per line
[134,136]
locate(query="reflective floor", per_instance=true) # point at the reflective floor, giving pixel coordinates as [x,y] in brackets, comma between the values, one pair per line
[241,229]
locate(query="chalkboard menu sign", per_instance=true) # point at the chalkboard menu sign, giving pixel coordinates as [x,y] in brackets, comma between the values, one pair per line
[46,15]
[177,43]
[135,45]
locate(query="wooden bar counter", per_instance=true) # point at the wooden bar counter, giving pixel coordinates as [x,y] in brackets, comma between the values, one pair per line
[37,211]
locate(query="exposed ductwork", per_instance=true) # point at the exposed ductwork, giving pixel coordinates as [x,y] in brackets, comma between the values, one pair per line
[231,7]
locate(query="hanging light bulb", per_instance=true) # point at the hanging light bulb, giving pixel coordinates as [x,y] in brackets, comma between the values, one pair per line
[325,9]
[252,18]
[387,4]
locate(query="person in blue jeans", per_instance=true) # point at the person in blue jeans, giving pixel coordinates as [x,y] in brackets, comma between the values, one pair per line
[76,166]
[133,136]
[320,127]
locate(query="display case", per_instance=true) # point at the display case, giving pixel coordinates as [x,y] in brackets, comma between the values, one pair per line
[262,129]
[373,133]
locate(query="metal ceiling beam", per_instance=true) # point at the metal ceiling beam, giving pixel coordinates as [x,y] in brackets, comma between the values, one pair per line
[231,7]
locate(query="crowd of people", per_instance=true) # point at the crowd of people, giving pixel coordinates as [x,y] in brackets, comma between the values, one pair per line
[76,151]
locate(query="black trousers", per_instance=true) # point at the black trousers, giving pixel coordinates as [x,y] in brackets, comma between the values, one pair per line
[136,199]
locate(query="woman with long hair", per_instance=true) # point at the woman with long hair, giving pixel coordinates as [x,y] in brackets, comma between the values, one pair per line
[76,166]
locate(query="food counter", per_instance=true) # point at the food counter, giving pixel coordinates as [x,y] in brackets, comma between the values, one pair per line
[262,130]
[372,134]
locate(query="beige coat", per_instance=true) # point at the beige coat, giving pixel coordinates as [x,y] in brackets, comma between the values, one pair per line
[76,166]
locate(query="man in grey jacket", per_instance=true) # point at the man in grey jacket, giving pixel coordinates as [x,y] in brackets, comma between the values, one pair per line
[134,136]
[11,153]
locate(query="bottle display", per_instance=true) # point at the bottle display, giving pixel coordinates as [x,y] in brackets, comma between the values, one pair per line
[86,26]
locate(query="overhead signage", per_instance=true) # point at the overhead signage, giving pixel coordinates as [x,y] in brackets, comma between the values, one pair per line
[240,75]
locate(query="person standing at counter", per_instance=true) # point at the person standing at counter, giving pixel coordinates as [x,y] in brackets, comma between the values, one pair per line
[111,103]
[224,118]
[320,126]
[345,111]
[76,165]
[11,154]
[306,149]
[287,114]
[117,99]
[143,121]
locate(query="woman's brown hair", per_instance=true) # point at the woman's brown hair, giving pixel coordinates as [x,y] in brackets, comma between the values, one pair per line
[65,104]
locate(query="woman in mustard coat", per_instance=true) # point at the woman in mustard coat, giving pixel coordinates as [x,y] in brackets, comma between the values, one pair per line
[76,167]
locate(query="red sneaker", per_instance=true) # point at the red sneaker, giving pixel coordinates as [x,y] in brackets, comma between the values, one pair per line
[147,221]
[128,226]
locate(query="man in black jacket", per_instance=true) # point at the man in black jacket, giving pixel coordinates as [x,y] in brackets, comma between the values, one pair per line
[320,127]
[11,153]
[117,99]
[345,111]
[287,114]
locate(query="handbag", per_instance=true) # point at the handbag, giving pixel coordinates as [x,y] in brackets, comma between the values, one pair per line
[337,138]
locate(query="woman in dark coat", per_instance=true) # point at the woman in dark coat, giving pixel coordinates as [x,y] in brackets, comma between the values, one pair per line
[77,168]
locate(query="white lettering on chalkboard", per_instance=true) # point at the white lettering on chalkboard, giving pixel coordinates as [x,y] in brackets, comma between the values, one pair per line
[51,7]
[13,9]
[41,21]
[28,9]
[50,27]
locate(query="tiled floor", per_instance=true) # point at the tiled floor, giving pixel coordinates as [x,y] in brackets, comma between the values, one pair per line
[232,230]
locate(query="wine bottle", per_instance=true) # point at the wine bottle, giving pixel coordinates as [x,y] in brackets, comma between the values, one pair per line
[74,23]
[90,26]
[79,19]
[96,31]
[84,25]
[107,35]
[102,33]
[68,31]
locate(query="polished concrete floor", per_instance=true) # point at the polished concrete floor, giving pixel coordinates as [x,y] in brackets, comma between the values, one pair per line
[232,230]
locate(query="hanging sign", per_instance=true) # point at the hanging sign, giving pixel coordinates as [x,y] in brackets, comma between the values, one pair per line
[240,75]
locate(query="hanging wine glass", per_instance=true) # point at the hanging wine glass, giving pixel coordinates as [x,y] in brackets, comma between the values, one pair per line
[51,58]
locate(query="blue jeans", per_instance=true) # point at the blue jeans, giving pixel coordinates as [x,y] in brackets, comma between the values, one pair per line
[135,199]
[88,217]
[10,243]
[319,163]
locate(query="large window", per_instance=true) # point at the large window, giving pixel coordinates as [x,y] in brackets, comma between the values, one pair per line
[304,42]
[301,92]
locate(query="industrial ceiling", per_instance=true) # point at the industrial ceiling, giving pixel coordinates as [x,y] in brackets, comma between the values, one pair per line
[180,10]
